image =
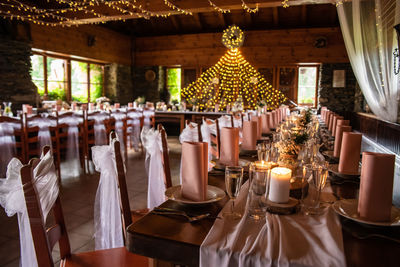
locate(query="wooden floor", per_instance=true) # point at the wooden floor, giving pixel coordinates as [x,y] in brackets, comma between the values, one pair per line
[77,199]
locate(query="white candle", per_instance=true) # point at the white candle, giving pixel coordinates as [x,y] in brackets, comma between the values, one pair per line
[280,185]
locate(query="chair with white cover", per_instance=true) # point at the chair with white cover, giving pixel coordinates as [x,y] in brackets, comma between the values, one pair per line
[210,133]
[157,164]
[134,118]
[39,197]
[191,133]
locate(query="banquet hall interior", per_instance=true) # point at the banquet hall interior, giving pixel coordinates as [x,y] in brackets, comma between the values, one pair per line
[199,132]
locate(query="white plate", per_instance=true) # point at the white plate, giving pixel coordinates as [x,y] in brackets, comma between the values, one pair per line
[348,208]
[213,194]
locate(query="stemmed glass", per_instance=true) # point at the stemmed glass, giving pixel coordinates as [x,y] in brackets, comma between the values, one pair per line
[233,182]
[316,175]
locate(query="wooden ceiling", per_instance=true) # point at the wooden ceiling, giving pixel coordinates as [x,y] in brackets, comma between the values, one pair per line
[277,17]
[126,16]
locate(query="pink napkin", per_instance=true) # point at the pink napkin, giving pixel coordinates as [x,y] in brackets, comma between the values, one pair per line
[343,122]
[270,116]
[338,139]
[335,119]
[229,146]
[275,114]
[249,135]
[350,153]
[194,170]
[279,114]
[91,106]
[265,123]
[257,119]
[330,121]
[376,186]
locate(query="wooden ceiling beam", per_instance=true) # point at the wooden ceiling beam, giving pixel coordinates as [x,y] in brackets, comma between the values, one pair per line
[304,15]
[193,6]
[275,16]
[197,20]
[222,19]
[175,22]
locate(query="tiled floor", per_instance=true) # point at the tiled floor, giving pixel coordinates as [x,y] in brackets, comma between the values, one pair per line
[77,199]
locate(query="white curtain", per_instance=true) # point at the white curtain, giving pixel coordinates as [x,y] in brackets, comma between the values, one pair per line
[370,40]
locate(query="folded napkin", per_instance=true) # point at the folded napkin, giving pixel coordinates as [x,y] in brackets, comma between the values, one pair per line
[331,117]
[265,123]
[343,122]
[194,170]
[328,118]
[335,119]
[340,129]
[249,135]
[279,114]
[257,119]
[376,186]
[350,153]
[229,154]
[270,116]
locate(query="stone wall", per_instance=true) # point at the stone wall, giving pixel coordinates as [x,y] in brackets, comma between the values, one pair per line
[118,83]
[339,100]
[16,84]
[149,88]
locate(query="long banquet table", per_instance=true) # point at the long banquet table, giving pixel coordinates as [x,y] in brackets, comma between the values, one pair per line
[178,241]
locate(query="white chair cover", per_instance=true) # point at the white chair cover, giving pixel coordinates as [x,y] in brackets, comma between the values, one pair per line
[292,240]
[134,130]
[44,135]
[7,145]
[225,121]
[108,231]
[100,133]
[190,133]
[206,131]
[151,140]
[119,129]
[147,114]
[73,163]
[13,201]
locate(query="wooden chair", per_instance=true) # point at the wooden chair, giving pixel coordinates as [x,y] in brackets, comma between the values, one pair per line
[18,135]
[32,144]
[45,239]
[215,139]
[200,137]
[152,118]
[165,157]
[131,114]
[115,116]
[62,129]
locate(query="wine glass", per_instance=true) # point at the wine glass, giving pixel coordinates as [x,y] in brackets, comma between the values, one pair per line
[233,181]
[316,175]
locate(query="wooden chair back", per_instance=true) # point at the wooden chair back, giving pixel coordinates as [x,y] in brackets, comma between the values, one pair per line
[123,191]
[232,120]
[18,135]
[129,124]
[90,121]
[199,136]
[44,239]
[165,157]
[32,144]
[215,139]
[112,124]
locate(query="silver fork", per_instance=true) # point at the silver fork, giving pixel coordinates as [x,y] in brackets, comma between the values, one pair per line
[182,213]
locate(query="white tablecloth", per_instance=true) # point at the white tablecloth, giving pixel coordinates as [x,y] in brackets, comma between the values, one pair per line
[277,240]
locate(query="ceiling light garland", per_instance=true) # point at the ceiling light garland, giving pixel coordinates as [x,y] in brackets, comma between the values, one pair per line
[285,3]
[249,9]
[174,7]
[219,9]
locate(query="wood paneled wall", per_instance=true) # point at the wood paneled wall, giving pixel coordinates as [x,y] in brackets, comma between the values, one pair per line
[261,48]
[108,46]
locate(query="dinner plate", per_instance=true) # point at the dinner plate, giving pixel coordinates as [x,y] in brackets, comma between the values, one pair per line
[220,167]
[213,194]
[348,208]
[334,168]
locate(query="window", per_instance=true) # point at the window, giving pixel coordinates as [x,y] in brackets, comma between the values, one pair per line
[174,84]
[307,86]
[50,75]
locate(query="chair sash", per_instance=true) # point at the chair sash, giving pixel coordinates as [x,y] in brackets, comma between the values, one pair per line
[225,121]
[13,201]
[44,135]
[74,166]
[190,133]
[134,130]
[151,140]
[119,129]
[147,117]
[7,145]
[107,212]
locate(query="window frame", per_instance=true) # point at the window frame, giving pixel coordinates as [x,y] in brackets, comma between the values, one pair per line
[317,66]
[68,73]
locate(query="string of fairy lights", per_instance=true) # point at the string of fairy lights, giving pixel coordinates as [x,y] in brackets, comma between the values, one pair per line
[71,12]
[232,78]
